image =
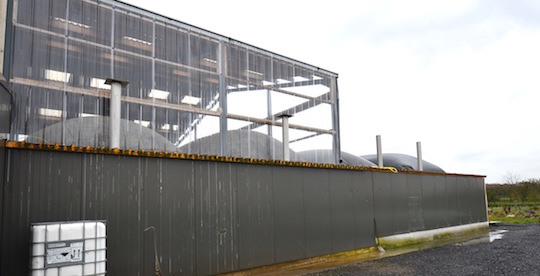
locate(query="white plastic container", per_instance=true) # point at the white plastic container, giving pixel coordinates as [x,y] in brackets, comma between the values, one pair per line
[68,248]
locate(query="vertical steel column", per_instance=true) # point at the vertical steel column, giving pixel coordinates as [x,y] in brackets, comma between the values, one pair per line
[6,55]
[379,152]
[115,108]
[419,155]
[154,111]
[223,101]
[112,40]
[336,145]
[285,133]
[66,80]
[3,30]
[7,42]
[269,98]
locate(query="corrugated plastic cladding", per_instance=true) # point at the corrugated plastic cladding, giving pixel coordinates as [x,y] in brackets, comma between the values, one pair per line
[185,83]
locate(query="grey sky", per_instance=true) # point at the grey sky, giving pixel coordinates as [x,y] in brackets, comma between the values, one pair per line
[463,77]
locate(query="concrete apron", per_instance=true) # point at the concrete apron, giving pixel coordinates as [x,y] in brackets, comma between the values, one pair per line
[460,233]
[387,247]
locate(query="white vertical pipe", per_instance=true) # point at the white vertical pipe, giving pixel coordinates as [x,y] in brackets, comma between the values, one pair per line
[379,152]
[419,156]
[114,121]
[285,126]
[114,112]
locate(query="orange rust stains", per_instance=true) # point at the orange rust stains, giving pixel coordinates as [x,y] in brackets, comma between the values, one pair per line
[198,157]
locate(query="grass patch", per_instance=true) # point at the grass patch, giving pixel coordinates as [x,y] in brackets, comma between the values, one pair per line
[519,216]
[514,220]
[511,203]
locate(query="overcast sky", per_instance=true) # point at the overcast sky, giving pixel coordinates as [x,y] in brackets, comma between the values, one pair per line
[462,77]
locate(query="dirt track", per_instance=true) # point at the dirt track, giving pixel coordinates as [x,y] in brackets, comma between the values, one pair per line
[516,253]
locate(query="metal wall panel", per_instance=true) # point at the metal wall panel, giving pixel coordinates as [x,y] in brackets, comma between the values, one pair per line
[479,199]
[176,228]
[115,193]
[36,190]
[255,216]
[464,194]
[150,213]
[227,223]
[454,215]
[481,211]
[214,217]
[476,199]
[441,198]
[289,227]
[205,213]
[3,170]
[343,223]
[400,203]
[383,204]
[428,202]
[364,215]
[472,199]
[15,227]
[415,202]
[5,102]
[469,198]
[430,210]
[317,209]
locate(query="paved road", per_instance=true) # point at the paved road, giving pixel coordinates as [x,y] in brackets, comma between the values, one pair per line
[515,252]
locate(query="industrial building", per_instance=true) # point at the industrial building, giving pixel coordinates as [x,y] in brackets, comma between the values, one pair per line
[183,83]
[200,153]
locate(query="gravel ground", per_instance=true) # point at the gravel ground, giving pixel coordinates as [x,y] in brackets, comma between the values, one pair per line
[516,253]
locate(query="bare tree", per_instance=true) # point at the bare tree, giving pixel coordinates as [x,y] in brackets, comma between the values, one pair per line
[512,178]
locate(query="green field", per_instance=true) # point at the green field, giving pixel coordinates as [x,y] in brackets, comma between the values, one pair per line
[516,216]
[517,203]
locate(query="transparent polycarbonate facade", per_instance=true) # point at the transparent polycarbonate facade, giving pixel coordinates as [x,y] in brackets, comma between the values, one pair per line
[189,90]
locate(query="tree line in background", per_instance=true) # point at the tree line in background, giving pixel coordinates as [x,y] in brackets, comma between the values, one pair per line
[515,190]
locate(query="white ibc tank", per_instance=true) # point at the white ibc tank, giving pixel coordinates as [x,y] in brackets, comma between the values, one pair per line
[68,248]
